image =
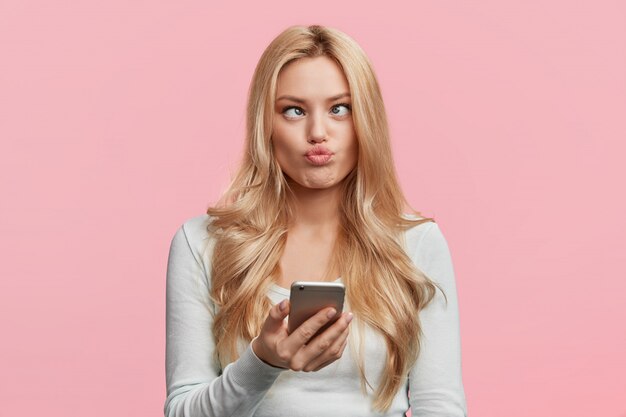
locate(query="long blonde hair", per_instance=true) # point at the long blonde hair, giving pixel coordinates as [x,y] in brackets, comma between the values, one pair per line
[384,289]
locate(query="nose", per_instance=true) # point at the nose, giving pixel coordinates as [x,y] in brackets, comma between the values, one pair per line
[317,129]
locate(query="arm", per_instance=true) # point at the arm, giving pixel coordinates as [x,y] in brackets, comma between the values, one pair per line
[194,384]
[435,382]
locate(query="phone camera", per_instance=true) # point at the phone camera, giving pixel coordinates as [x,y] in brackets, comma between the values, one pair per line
[301,287]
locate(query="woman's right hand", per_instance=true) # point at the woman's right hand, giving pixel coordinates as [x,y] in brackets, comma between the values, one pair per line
[278,348]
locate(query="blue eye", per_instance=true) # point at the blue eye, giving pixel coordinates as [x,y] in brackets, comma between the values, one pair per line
[340,109]
[293,112]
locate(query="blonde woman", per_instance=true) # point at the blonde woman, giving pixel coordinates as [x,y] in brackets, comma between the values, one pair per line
[315,199]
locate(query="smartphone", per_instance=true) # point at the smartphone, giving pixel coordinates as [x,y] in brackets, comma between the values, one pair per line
[309,297]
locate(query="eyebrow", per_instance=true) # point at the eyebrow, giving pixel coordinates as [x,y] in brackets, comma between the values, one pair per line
[299,100]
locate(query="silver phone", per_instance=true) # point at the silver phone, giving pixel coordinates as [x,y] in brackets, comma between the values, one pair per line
[309,297]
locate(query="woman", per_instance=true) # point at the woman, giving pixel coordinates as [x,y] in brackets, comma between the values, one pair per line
[315,199]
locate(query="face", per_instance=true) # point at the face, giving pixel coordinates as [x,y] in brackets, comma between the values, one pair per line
[313,133]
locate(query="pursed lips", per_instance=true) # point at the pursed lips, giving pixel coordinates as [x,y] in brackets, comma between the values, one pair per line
[319,155]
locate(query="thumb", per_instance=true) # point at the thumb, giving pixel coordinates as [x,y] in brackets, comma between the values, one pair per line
[277,314]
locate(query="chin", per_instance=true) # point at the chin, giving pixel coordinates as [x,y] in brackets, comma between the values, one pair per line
[313,185]
[321,186]
[320,183]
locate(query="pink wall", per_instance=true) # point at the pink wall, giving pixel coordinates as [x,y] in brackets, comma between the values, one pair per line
[119,120]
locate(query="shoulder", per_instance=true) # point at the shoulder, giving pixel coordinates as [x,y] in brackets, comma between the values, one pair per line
[420,235]
[425,241]
[428,248]
[194,232]
[196,228]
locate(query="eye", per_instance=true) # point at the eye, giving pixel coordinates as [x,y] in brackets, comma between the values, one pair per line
[340,109]
[293,112]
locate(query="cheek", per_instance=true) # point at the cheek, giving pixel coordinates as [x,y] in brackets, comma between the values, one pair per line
[354,156]
[278,138]
[346,133]
[283,134]
[280,144]
[352,144]
[283,148]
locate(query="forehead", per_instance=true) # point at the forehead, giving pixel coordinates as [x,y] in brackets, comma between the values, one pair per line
[312,77]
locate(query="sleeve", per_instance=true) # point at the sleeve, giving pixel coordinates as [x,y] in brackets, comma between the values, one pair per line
[195,386]
[435,381]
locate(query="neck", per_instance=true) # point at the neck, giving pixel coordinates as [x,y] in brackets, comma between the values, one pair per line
[316,207]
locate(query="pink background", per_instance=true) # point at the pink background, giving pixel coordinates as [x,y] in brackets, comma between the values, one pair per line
[119,120]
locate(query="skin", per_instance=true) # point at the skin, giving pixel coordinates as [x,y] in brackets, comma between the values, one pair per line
[312,109]
[318,119]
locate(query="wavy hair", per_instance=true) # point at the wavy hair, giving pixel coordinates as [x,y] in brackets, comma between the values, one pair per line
[384,289]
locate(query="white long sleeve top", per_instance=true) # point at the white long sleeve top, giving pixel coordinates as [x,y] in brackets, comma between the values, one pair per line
[197,385]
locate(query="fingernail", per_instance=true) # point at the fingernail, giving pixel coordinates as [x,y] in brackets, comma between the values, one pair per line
[349,317]
[282,305]
[331,313]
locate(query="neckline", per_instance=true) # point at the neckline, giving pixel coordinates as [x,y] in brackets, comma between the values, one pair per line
[285,291]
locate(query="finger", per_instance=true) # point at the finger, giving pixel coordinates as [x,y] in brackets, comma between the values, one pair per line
[325,364]
[332,359]
[309,328]
[325,339]
[277,314]
[264,346]
[321,343]
[290,346]
[329,355]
